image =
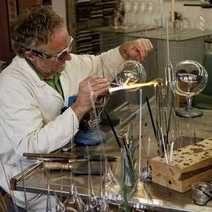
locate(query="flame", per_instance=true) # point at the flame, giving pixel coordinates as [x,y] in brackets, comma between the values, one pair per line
[153,83]
[128,86]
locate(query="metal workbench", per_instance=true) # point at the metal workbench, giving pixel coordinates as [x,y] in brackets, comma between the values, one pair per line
[148,195]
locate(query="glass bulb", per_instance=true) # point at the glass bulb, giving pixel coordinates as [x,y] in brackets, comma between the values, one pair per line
[131,72]
[189,78]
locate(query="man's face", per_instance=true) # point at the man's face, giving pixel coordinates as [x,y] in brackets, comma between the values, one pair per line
[50,59]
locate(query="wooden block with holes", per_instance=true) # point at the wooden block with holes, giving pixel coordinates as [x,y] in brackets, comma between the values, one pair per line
[190,164]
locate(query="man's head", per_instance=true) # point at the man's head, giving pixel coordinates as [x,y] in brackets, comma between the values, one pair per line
[41,36]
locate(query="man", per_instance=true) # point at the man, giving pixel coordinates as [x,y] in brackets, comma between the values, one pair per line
[34,87]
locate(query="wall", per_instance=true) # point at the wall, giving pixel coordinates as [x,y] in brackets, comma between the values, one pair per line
[5,50]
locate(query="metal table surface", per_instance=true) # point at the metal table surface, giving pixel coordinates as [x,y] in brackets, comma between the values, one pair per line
[147,195]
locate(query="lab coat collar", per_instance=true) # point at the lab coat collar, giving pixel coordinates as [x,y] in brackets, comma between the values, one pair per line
[27,70]
[24,68]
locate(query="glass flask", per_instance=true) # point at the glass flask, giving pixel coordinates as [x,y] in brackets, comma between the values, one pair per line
[131,71]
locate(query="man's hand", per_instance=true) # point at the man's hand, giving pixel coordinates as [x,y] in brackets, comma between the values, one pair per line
[89,89]
[136,49]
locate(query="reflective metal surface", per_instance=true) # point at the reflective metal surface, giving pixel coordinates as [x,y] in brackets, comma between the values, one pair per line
[148,195]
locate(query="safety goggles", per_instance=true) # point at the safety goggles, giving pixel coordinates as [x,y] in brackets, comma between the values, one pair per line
[58,57]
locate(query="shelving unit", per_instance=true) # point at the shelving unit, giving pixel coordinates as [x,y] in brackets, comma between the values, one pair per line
[9,9]
[85,15]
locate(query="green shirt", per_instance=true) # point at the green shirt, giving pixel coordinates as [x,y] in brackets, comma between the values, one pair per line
[54,83]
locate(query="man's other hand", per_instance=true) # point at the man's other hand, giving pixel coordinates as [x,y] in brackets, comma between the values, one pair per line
[136,49]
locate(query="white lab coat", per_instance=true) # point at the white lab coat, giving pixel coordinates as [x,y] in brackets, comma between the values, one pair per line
[30,119]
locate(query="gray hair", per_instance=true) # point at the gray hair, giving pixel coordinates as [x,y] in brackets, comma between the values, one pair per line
[34,28]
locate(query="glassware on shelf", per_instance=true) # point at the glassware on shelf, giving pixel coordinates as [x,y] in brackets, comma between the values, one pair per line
[119,16]
[135,14]
[150,13]
[157,15]
[128,13]
[189,78]
[143,14]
